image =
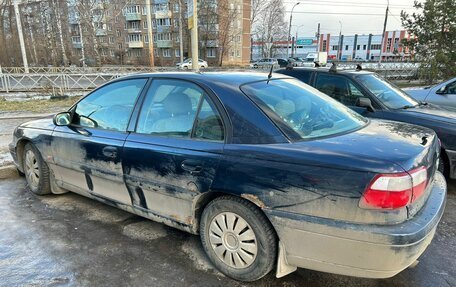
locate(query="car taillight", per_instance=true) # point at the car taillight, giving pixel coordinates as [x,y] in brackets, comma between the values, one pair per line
[390,191]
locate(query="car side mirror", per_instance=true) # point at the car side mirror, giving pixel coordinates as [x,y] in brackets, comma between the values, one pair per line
[442,90]
[364,102]
[62,119]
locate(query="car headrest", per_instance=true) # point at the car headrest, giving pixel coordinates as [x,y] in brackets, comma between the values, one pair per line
[177,104]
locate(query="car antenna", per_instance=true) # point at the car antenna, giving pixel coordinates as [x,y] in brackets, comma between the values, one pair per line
[333,68]
[270,74]
[358,67]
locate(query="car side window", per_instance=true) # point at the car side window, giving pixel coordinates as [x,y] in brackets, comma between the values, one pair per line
[303,76]
[170,108]
[451,88]
[208,124]
[339,88]
[109,107]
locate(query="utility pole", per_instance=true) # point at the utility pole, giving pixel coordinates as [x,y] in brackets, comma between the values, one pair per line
[383,34]
[21,35]
[318,38]
[289,29]
[181,40]
[150,35]
[193,25]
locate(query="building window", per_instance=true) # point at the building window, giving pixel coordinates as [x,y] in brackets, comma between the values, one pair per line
[132,9]
[109,27]
[358,47]
[111,39]
[211,52]
[324,46]
[346,47]
[335,47]
[238,38]
[238,53]
[144,10]
[164,36]
[144,24]
[76,39]
[111,52]
[176,7]
[120,46]
[146,38]
[177,52]
[177,38]
[364,47]
[118,33]
[163,22]
[134,38]
[166,53]
[388,45]
[163,7]
[376,47]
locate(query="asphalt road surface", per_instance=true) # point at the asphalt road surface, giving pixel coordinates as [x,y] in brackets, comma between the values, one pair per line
[68,240]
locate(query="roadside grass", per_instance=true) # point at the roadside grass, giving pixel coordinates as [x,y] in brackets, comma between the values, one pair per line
[38,106]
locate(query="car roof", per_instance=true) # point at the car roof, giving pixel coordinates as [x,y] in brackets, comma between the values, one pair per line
[326,70]
[214,78]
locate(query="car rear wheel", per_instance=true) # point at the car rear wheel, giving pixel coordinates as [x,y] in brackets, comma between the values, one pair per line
[238,238]
[36,171]
[444,165]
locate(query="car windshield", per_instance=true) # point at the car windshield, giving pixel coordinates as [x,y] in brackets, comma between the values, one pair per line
[387,93]
[304,109]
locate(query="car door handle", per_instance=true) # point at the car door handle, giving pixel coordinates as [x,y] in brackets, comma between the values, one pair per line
[192,166]
[110,151]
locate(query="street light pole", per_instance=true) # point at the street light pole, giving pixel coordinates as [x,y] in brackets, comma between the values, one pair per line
[150,34]
[289,29]
[339,48]
[383,34]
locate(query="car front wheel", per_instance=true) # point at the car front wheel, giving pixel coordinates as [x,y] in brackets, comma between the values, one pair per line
[36,171]
[238,238]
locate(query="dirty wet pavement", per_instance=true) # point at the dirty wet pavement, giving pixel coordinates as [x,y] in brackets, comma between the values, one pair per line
[68,240]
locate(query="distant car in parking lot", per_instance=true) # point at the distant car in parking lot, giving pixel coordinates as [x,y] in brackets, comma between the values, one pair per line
[282,62]
[263,62]
[443,94]
[187,64]
[372,96]
[271,173]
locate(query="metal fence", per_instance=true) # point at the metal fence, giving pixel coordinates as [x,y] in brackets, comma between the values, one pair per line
[60,80]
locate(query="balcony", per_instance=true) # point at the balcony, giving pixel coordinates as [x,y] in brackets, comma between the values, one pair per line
[164,43]
[136,44]
[212,44]
[164,29]
[77,45]
[100,32]
[163,14]
[133,16]
[134,30]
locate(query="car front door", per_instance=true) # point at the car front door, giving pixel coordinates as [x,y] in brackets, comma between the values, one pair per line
[172,156]
[87,153]
[344,90]
[445,97]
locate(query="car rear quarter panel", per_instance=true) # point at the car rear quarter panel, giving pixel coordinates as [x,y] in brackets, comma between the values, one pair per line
[285,182]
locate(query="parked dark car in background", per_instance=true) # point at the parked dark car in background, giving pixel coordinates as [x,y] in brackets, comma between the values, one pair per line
[374,97]
[443,94]
[272,173]
[282,62]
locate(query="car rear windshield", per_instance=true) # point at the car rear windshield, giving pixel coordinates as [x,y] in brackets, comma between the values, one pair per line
[307,111]
[387,93]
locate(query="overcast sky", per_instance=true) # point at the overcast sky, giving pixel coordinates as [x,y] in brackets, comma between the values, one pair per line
[356,16]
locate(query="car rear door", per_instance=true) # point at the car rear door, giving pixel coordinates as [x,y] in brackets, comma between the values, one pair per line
[173,155]
[87,153]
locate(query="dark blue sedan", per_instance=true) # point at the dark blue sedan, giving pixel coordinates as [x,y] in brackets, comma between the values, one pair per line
[271,173]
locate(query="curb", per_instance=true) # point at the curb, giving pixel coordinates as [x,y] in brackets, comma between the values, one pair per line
[8,171]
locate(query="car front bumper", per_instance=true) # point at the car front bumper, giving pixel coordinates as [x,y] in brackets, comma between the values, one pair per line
[361,250]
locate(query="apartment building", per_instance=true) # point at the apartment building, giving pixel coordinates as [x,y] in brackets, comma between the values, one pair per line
[119,32]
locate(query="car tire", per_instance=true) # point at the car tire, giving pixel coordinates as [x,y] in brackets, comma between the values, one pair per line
[444,165]
[245,248]
[255,66]
[36,171]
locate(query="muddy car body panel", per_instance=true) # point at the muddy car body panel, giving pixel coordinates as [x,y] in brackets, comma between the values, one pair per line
[309,188]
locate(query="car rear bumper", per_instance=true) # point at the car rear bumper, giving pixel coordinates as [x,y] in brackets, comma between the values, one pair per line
[362,250]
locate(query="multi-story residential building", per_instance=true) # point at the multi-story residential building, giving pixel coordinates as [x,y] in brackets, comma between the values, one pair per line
[347,47]
[119,31]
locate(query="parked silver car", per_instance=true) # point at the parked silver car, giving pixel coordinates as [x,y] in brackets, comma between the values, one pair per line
[263,62]
[443,94]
